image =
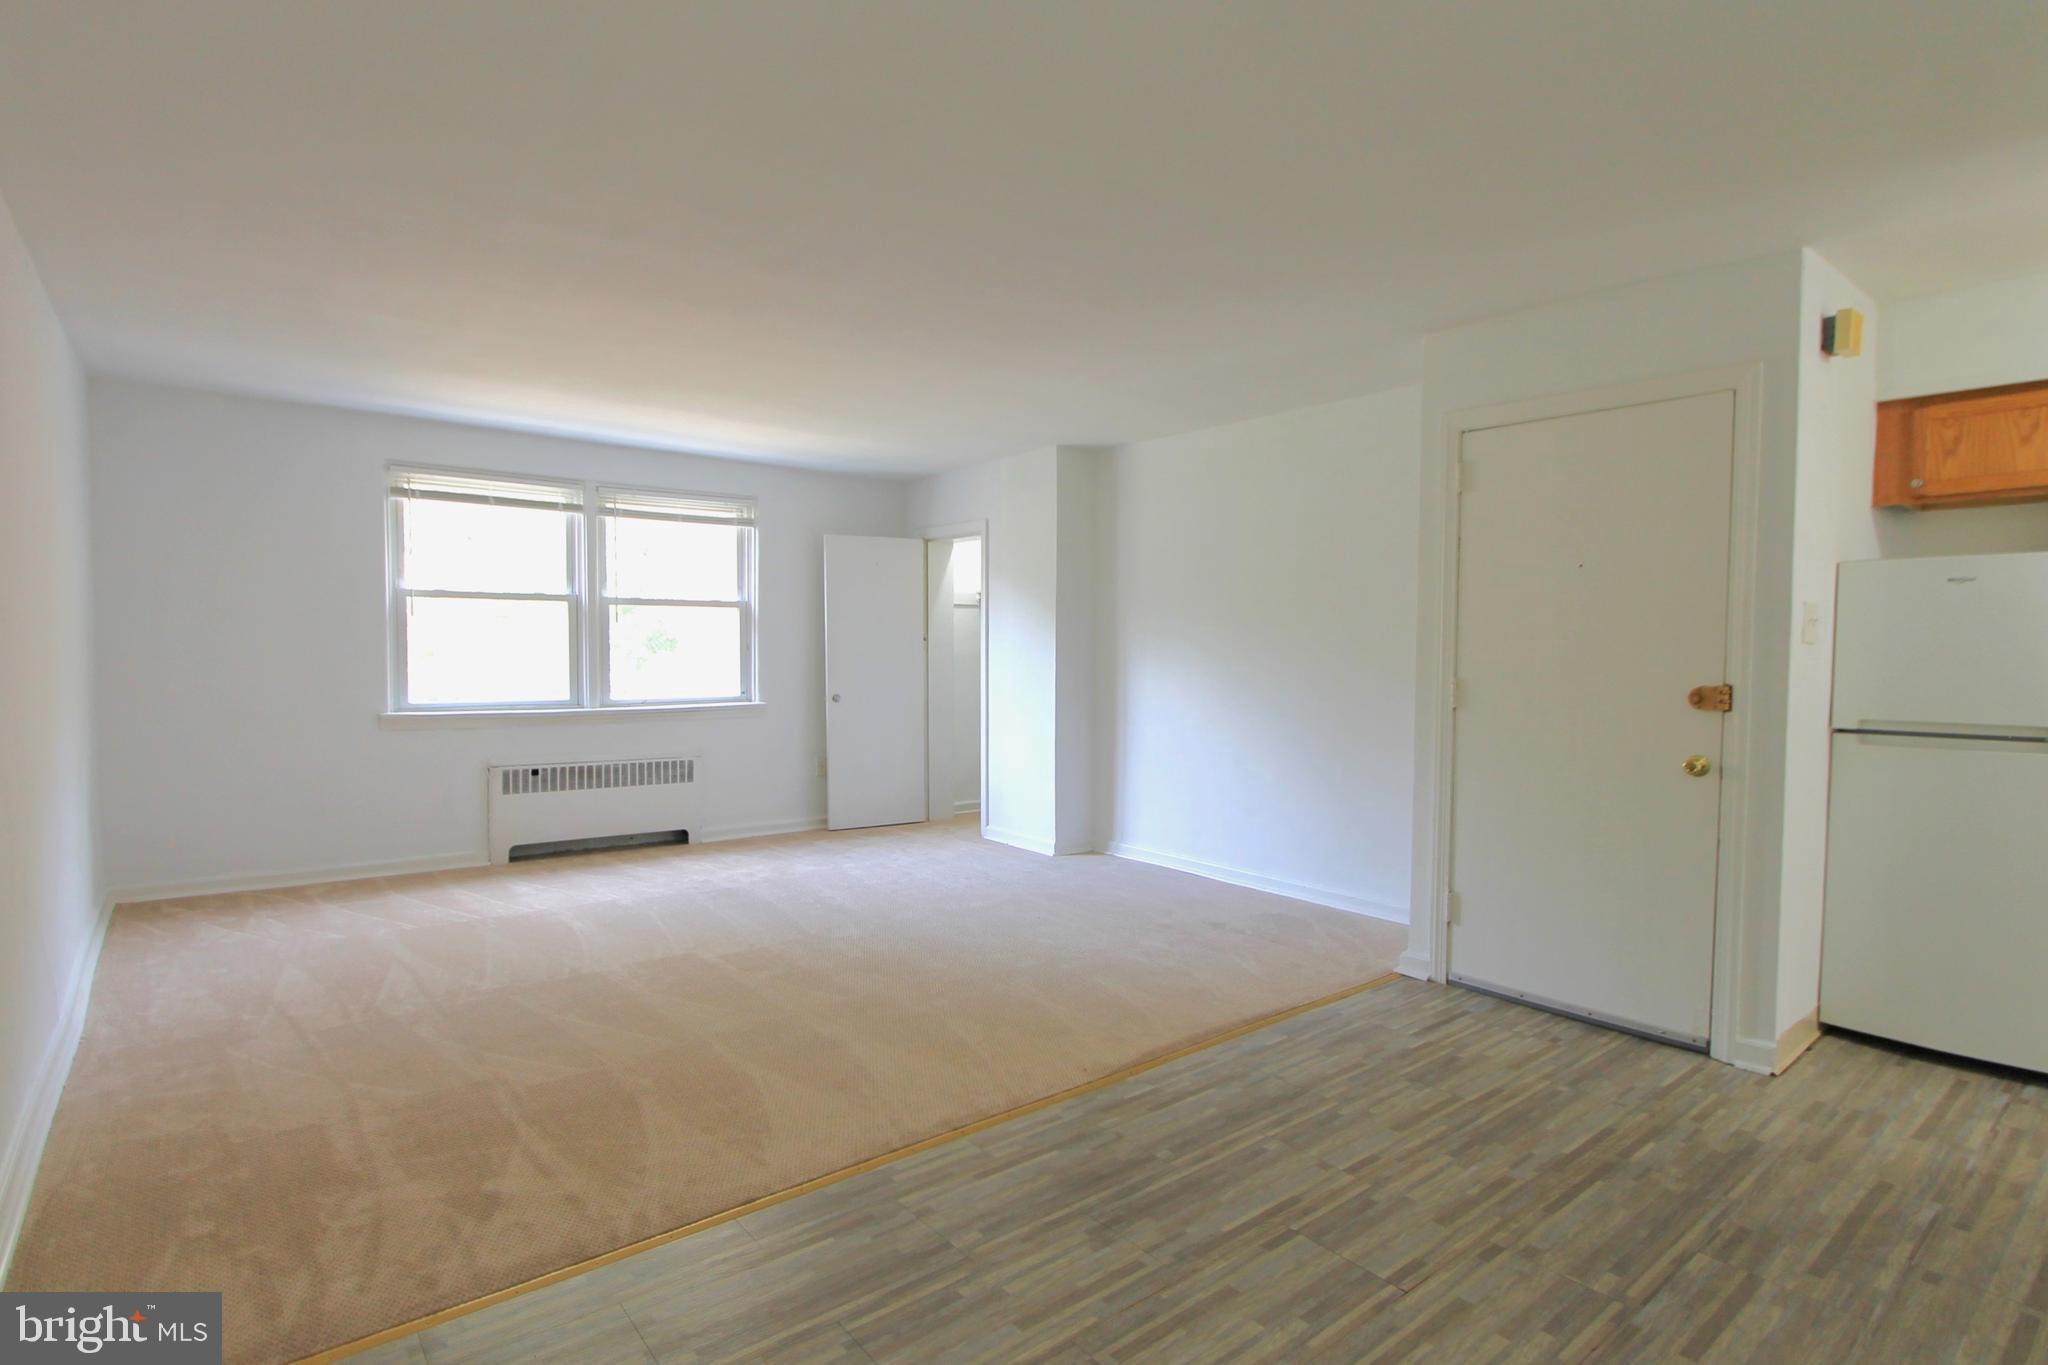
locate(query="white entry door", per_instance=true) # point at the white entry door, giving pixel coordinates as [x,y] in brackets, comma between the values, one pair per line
[1592,597]
[874,681]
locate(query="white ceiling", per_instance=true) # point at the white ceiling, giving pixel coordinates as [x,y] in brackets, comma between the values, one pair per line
[899,236]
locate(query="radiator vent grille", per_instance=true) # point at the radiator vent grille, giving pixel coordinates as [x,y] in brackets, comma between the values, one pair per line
[590,777]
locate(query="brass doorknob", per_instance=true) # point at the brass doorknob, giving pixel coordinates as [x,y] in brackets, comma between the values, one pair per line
[1699,765]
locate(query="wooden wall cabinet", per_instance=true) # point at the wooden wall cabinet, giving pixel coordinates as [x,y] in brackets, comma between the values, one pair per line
[1971,449]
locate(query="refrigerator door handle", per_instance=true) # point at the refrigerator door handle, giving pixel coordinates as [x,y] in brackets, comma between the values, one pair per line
[2011,734]
[1921,739]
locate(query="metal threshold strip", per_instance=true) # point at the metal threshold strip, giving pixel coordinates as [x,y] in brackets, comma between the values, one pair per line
[1690,1042]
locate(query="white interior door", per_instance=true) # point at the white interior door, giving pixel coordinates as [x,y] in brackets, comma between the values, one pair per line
[1592,597]
[874,681]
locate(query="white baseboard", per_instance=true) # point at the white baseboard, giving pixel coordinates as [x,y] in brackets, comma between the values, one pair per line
[24,1150]
[1217,872]
[1770,1056]
[1753,1054]
[399,867]
[966,807]
[1030,843]
[1416,965]
[720,833]
[270,881]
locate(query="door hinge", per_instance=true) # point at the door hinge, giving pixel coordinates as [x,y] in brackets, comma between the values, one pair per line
[1717,697]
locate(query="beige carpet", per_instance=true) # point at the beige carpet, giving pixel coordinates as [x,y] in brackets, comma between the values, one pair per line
[350,1105]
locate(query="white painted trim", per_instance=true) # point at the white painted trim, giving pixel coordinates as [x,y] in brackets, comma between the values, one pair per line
[311,876]
[1759,1055]
[444,862]
[1279,886]
[1734,900]
[481,719]
[23,1153]
[1417,967]
[761,829]
[1030,843]
[966,807]
[1770,1057]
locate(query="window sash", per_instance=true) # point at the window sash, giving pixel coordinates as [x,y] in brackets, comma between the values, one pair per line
[589,605]
[651,505]
[573,645]
[493,489]
[410,484]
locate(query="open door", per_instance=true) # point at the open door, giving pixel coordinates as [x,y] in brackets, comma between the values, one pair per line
[874,681]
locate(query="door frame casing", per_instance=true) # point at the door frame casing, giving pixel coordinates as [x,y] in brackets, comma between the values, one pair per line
[961,530]
[1741,742]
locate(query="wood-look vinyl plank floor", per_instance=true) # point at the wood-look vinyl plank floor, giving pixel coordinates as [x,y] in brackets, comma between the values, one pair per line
[1414,1173]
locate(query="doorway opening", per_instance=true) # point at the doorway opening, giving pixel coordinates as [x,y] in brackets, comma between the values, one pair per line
[956,684]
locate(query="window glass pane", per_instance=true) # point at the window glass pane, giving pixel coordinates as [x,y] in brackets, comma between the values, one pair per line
[674,653]
[474,547]
[485,651]
[651,558]
[967,568]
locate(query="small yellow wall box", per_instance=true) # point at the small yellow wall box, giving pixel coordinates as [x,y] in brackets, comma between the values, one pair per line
[1842,333]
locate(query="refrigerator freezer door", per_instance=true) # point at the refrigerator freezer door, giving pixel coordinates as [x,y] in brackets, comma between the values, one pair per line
[1936,928]
[1953,642]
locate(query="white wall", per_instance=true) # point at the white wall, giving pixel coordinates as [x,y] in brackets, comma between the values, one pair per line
[49,898]
[239,557]
[1258,651]
[1741,315]
[1833,522]
[1080,473]
[1967,339]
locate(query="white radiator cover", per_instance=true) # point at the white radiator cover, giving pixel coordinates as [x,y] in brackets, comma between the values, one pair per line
[531,803]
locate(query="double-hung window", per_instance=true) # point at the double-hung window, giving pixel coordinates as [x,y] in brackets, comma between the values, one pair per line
[676,597]
[519,594]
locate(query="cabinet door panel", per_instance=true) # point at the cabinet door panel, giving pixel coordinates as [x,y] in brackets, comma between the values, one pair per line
[1982,446]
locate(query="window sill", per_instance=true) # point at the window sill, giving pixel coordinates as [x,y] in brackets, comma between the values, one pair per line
[464,720]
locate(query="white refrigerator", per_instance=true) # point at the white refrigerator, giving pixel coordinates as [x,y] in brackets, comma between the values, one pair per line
[1936,922]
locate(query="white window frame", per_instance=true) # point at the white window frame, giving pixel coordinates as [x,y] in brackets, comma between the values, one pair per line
[601,600]
[589,614]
